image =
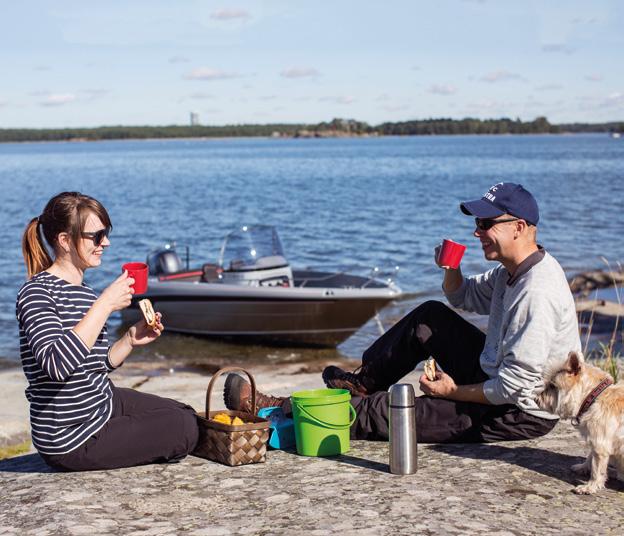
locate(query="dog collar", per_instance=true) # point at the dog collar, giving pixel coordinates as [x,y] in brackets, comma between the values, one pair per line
[591,398]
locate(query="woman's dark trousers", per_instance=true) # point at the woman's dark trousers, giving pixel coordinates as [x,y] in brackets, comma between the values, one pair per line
[433,329]
[143,428]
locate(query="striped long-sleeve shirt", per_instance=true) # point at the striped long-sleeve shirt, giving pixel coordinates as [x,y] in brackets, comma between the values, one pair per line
[68,387]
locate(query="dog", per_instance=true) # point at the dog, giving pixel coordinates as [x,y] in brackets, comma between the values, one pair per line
[587,395]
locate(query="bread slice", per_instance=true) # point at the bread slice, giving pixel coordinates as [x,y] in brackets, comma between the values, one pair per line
[148,312]
[430,369]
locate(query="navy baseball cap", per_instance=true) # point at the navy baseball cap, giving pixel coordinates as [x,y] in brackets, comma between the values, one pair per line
[504,198]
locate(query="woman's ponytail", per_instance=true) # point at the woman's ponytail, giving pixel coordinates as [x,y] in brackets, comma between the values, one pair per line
[36,255]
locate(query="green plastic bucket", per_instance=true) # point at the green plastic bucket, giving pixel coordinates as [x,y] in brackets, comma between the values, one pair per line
[322,418]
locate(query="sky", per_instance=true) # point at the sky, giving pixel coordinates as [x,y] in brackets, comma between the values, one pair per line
[77,63]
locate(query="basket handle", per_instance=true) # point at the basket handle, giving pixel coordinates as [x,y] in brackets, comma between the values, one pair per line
[223,371]
[315,420]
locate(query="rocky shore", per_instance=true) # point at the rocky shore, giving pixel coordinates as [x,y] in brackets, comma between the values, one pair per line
[505,489]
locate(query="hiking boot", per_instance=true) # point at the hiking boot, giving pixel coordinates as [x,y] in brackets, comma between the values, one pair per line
[237,396]
[355,382]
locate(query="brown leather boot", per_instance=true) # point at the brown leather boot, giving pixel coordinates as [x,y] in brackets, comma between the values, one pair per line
[358,383]
[237,396]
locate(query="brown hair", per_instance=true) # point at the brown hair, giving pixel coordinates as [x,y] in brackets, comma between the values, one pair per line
[66,212]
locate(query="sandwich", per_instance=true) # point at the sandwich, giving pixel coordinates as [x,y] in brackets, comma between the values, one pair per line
[430,369]
[148,312]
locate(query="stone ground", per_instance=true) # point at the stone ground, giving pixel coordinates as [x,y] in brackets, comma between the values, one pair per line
[504,489]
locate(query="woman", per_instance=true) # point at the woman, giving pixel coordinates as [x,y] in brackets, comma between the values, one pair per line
[79,419]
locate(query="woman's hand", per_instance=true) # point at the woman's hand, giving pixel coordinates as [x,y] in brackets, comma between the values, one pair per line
[442,387]
[141,334]
[118,294]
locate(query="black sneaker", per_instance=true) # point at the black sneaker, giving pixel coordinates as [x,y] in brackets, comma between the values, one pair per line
[355,382]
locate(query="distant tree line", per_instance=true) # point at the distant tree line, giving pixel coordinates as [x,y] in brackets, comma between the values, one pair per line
[468,126]
[336,127]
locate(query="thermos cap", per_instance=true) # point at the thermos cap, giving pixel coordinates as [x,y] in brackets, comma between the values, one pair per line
[402,395]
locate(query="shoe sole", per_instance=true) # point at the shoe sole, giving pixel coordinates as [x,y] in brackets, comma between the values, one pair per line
[231,392]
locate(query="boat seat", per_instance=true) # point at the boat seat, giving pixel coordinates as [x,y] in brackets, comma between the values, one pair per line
[211,273]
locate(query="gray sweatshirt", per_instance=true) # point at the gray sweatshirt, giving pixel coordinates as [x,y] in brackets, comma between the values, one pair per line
[532,324]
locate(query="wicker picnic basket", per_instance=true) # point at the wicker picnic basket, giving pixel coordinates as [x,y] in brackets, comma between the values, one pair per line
[232,444]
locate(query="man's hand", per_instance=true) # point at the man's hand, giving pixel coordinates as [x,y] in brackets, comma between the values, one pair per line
[442,387]
[445,387]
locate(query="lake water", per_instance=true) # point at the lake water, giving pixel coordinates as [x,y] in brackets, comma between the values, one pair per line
[337,203]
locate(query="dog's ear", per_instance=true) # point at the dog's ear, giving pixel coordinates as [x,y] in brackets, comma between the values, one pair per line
[574,363]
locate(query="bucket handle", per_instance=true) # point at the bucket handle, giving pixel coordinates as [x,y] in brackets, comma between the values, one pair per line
[315,420]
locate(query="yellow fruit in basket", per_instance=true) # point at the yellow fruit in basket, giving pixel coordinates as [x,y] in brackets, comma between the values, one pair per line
[237,421]
[222,418]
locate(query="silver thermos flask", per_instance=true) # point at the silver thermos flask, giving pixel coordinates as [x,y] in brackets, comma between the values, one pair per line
[402,420]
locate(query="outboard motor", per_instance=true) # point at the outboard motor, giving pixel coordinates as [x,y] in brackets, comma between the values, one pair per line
[164,261]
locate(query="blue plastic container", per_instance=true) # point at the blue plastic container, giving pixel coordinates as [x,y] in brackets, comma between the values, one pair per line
[282,428]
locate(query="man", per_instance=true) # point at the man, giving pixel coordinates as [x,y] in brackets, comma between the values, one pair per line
[487,388]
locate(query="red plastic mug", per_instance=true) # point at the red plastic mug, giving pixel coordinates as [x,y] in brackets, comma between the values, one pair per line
[137,271]
[451,254]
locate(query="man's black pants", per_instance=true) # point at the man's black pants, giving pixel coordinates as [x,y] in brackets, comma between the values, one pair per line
[433,329]
[143,428]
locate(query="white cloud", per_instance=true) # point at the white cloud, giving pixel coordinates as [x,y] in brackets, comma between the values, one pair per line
[500,76]
[42,68]
[487,106]
[3,102]
[558,47]
[230,14]
[58,99]
[442,89]
[178,59]
[299,72]
[205,73]
[579,20]
[92,94]
[613,100]
[549,87]
[593,77]
[268,97]
[347,99]
[395,108]
[199,95]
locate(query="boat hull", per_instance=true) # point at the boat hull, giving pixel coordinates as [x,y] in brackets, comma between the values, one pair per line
[306,317]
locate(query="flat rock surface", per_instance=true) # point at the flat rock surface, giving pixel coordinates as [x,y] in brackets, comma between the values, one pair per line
[506,488]
[509,488]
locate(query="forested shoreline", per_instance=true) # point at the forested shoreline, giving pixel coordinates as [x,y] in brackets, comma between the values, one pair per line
[334,128]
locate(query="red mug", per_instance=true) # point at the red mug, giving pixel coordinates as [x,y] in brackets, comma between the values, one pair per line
[451,254]
[137,271]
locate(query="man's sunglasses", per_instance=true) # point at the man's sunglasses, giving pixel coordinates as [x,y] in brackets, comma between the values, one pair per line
[98,236]
[483,224]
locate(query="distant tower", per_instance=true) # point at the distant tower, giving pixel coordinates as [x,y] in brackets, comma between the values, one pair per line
[194,119]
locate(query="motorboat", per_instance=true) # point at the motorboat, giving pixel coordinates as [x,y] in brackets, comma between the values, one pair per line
[253,294]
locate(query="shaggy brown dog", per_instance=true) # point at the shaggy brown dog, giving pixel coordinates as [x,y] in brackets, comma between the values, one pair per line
[585,394]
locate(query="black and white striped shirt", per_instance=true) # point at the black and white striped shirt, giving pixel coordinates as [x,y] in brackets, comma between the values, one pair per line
[69,391]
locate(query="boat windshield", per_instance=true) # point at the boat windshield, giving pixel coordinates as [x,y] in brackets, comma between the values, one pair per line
[256,247]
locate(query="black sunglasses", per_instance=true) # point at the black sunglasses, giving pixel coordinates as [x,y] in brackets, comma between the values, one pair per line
[98,236]
[483,224]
